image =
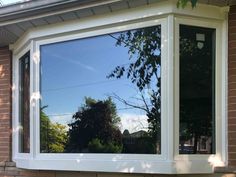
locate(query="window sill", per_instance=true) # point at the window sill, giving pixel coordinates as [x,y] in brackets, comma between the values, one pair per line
[120,166]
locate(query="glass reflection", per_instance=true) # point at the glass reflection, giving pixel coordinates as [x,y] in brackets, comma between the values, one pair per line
[24,103]
[102,94]
[197,90]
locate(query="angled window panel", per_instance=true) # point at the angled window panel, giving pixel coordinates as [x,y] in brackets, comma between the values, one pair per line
[24,103]
[197,90]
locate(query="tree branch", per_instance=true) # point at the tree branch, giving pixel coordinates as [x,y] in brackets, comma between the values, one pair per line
[128,103]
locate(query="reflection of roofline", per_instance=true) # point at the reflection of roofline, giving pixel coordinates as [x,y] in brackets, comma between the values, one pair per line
[134,134]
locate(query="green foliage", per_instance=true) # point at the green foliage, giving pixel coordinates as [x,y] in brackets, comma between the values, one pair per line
[140,145]
[53,136]
[196,111]
[183,3]
[97,146]
[143,45]
[144,48]
[96,119]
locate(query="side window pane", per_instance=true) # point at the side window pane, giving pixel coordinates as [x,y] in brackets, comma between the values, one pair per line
[197,90]
[24,113]
[102,94]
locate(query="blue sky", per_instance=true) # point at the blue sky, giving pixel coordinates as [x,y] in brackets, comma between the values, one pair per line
[77,69]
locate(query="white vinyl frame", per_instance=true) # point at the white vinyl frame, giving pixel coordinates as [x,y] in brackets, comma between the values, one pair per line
[97,159]
[169,161]
[15,106]
[219,158]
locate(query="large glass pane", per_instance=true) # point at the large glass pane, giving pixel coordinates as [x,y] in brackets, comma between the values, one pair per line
[102,94]
[197,85]
[24,114]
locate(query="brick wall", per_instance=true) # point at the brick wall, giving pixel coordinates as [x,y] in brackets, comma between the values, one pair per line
[232,87]
[5,105]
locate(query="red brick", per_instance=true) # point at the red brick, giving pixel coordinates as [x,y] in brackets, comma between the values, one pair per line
[232,85]
[232,127]
[232,79]
[232,156]
[233,8]
[232,107]
[10,164]
[232,163]
[232,92]
[5,81]
[233,142]
[28,173]
[232,99]
[232,51]
[3,92]
[232,36]
[232,134]
[4,122]
[232,62]
[232,113]
[5,104]
[232,16]
[231,121]
[232,22]
[232,43]
[12,171]
[4,61]
[232,148]
[232,29]
[5,87]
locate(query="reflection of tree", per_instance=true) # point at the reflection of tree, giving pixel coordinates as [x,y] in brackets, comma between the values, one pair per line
[183,3]
[196,86]
[144,70]
[95,128]
[138,142]
[53,136]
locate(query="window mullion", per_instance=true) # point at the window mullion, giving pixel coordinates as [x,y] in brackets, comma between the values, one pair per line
[167,88]
[176,89]
[37,96]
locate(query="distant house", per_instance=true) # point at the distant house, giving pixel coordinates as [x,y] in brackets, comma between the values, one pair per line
[117,87]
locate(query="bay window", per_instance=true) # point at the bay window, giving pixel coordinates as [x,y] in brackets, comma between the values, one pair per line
[144,95]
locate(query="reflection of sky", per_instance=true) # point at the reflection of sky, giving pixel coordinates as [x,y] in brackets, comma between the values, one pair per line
[79,68]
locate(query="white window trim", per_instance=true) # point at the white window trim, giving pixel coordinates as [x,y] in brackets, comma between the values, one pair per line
[98,159]
[15,105]
[219,158]
[169,162]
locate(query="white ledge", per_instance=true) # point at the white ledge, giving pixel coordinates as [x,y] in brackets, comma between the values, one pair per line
[119,166]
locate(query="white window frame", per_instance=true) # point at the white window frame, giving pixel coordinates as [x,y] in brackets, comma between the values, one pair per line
[169,161]
[15,105]
[93,158]
[219,158]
